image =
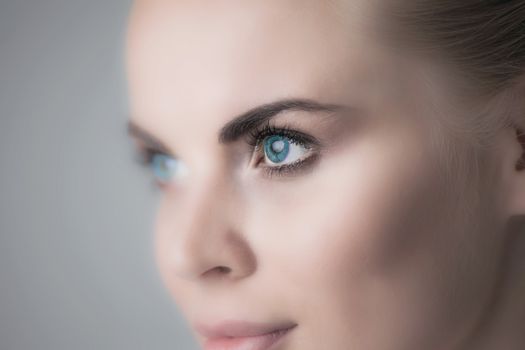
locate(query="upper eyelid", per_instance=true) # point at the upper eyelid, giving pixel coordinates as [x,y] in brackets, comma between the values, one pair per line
[147,153]
[248,121]
[145,148]
[312,144]
[244,123]
[147,143]
[146,140]
[257,136]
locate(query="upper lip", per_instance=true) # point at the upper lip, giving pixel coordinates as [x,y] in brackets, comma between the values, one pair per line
[237,329]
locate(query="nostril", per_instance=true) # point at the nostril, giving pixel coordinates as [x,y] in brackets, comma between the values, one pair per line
[218,270]
[223,269]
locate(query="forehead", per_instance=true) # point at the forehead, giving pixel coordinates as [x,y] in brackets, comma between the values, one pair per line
[214,59]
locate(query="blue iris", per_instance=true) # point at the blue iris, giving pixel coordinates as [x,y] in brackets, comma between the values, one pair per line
[163,167]
[277,148]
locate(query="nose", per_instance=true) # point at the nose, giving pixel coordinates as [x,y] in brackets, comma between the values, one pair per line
[206,241]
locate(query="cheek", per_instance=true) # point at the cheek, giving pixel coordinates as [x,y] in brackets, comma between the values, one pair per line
[361,211]
[361,238]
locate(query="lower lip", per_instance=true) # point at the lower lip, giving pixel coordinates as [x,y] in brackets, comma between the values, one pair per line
[260,342]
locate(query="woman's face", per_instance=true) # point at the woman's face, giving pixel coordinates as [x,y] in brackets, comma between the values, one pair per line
[341,219]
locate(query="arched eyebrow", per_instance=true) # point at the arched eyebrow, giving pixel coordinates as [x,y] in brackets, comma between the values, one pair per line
[138,132]
[251,119]
[242,124]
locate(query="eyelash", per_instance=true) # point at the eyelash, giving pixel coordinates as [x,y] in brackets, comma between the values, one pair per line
[146,155]
[254,138]
[145,158]
[259,134]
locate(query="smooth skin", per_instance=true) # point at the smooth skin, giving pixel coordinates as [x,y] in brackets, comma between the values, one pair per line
[373,247]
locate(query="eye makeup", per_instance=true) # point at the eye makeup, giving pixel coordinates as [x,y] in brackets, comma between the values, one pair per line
[154,155]
[278,147]
[160,164]
[261,138]
[164,166]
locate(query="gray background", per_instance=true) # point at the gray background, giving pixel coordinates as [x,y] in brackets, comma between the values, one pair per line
[76,213]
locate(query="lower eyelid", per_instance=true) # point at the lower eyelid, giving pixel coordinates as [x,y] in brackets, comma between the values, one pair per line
[301,167]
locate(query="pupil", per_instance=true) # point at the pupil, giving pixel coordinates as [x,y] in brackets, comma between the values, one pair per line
[278,146]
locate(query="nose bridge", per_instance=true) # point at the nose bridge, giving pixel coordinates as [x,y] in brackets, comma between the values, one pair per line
[208,239]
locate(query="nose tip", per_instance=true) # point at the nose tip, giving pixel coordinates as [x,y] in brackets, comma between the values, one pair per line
[212,255]
[199,235]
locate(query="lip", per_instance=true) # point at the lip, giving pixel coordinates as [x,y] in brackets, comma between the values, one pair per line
[239,335]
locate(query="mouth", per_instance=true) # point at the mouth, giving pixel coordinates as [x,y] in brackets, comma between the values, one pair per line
[234,335]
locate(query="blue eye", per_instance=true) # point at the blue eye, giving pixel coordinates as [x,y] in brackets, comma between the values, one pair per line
[165,168]
[278,148]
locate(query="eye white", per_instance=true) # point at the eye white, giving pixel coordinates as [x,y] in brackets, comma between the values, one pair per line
[295,152]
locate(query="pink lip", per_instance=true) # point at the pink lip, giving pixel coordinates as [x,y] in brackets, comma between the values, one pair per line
[235,335]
